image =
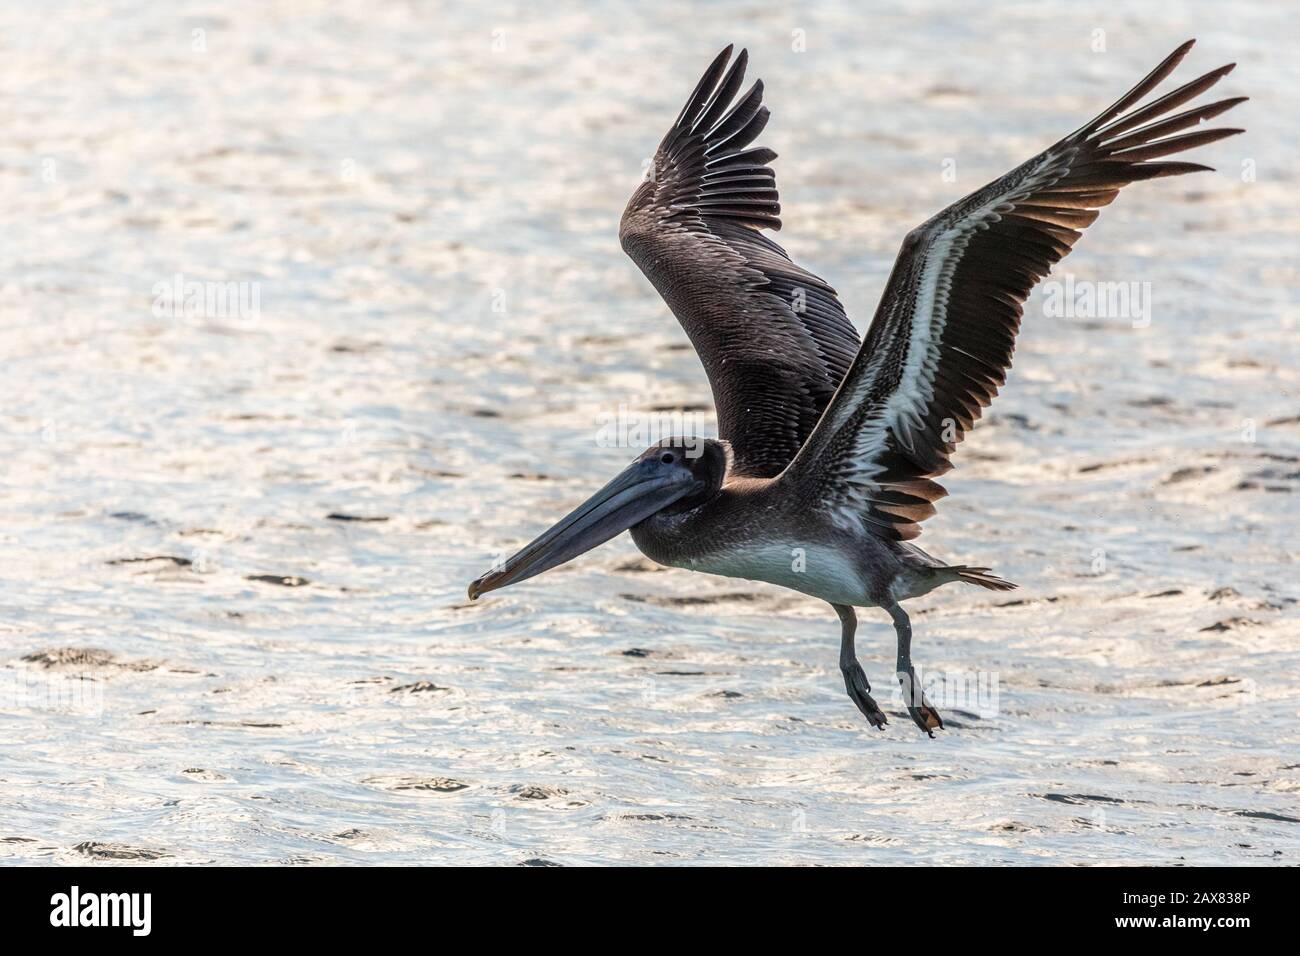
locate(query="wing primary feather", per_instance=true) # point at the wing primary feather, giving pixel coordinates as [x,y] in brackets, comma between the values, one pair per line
[1173,124]
[686,118]
[1167,102]
[724,94]
[1147,84]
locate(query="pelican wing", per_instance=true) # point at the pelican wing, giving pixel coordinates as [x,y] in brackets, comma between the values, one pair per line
[773,337]
[941,341]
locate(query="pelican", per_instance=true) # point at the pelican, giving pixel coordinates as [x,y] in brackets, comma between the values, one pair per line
[829,447]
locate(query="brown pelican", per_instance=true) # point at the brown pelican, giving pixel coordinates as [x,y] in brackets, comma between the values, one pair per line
[828,449]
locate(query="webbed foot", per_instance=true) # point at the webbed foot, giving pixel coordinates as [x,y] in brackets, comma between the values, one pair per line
[919,707]
[859,688]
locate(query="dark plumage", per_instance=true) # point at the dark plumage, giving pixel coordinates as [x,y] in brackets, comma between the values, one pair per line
[773,337]
[988,252]
[829,451]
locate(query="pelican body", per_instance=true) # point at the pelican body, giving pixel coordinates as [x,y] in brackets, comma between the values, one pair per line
[829,447]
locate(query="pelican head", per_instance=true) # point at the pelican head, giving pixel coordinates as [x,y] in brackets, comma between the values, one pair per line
[672,476]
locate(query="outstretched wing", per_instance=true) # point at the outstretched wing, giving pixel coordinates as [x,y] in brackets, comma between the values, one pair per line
[773,337]
[941,340]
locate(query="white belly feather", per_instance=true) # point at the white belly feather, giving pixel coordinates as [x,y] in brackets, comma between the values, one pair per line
[821,571]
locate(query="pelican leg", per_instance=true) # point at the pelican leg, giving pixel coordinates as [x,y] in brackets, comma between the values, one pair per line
[921,710]
[855,679]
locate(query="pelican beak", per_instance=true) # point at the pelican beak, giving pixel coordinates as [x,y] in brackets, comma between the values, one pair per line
[644,487]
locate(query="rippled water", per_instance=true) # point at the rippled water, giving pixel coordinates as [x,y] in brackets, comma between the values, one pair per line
[234,542]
